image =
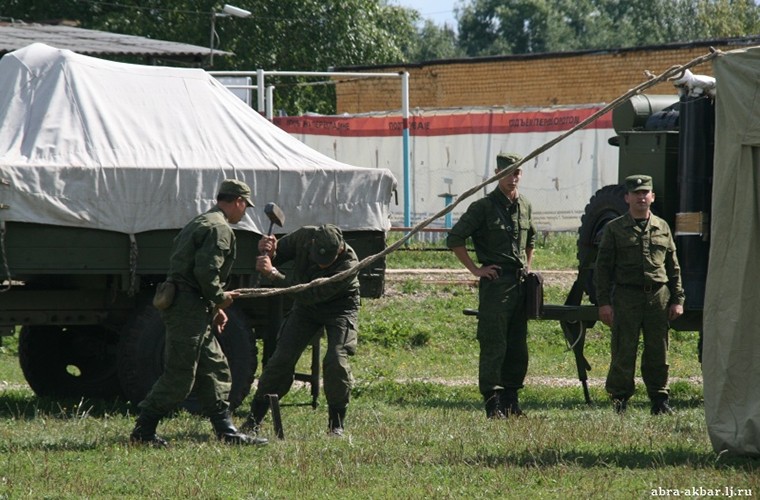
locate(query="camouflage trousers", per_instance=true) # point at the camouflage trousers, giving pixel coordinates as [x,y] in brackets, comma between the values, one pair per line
[636,311]
[300,326]
[193,360]
[502,334]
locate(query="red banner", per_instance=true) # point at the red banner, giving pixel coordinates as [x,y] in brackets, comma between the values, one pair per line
[451,124]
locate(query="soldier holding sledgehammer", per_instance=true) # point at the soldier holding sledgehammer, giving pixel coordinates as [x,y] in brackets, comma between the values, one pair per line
[317,252]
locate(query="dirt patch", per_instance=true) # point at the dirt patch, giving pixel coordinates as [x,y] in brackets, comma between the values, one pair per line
[561,278]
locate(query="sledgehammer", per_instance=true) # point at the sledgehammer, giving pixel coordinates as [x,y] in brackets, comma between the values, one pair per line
[275,216]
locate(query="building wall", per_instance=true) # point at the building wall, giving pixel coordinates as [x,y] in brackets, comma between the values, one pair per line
[520,81]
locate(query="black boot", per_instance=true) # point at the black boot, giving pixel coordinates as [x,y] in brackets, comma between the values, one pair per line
[510,405]
[661,406]
[619,404]
[336,418]
[259,409]
[227,432]
[145,430]
[494,405]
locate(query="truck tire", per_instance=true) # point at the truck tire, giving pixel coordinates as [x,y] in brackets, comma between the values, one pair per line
[607,204]
[70,361]
[141,356]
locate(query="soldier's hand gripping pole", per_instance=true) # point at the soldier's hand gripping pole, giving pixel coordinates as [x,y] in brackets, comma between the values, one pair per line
[275,216]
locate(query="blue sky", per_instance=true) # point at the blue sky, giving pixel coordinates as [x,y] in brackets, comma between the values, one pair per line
[439,11]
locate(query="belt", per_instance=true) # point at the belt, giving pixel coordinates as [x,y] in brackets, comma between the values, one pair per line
[648,288]
[505,270]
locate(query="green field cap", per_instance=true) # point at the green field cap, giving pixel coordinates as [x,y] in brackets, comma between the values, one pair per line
[504,160]
[235,187]
[638,183]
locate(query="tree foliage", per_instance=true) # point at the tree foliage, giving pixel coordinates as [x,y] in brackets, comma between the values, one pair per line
[434,42]
[489,27]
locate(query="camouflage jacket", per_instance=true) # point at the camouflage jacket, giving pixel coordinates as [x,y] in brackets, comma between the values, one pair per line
[632,256]
[495,243]
[203,254]
[295,247]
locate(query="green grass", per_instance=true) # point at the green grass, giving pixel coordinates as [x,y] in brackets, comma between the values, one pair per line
[553,251]
[416,427]
[434,339]
[9,351]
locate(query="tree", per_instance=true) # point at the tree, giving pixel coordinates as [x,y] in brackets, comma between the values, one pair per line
[479,29]
[434,42]
[728,18]
[532,26]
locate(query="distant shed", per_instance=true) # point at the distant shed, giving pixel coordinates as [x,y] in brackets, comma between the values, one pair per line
[16,35]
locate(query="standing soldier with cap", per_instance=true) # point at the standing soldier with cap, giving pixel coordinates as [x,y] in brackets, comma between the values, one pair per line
[638,287]
[316,252]
[501,227]
[201,259]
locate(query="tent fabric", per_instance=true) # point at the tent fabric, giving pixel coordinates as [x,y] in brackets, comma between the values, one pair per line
[91,143]
[731,353]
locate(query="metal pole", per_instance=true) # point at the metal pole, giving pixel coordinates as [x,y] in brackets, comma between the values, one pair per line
[334,73]
[270,103]
[405,139]
[211,41]
[447,199]
[260,92]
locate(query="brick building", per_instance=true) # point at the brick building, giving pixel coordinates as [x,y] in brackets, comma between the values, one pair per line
[580,77]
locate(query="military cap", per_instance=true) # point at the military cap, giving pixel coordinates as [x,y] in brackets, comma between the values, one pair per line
[235,187]
[326,244]
[638,183]
[504,160]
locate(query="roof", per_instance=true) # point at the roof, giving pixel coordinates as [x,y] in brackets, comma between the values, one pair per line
[14,36]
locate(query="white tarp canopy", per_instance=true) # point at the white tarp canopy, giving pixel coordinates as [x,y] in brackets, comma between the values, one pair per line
[91,143]
[731,359]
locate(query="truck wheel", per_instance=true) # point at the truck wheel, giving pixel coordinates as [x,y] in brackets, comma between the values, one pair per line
[141,356]
[70,361]
[607,204]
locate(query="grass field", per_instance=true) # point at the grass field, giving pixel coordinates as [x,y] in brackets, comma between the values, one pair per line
[416,427]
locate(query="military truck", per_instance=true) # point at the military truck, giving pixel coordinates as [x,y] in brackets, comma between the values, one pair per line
[102,163]
[88,328]
[671,138]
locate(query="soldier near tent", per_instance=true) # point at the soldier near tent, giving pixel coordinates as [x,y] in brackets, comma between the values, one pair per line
[316,252]
[638,283]
[201,259]
[501,228]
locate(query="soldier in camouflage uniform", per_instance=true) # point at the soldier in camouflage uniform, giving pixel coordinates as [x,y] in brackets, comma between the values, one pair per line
[501,227]
[638,287]
[201,259]
[316,252]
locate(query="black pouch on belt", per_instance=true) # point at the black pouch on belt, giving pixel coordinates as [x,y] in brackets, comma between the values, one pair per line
[164,296]
[534,295]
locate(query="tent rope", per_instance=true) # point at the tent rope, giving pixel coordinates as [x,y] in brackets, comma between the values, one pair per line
[671,73]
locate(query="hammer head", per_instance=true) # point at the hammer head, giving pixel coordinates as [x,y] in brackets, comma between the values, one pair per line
[275,215]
